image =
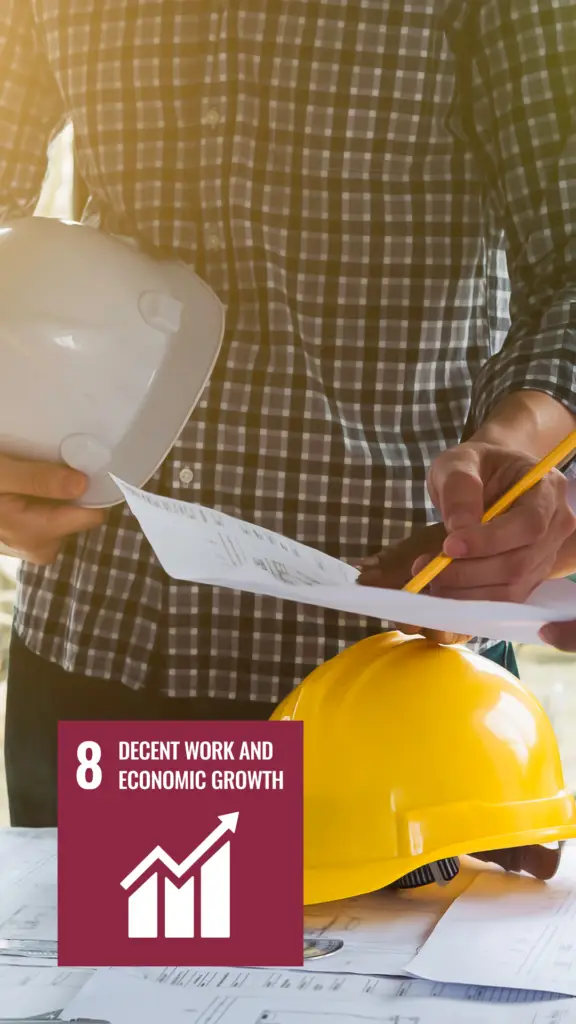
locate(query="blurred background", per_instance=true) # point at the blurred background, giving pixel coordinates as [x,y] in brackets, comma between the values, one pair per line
[550,675]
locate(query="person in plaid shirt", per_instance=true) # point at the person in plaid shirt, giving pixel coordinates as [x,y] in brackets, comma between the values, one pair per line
[383,195]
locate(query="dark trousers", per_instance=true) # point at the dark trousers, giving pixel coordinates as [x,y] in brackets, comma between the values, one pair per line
[41,694]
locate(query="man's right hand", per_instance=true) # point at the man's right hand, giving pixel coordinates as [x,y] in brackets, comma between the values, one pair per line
[36,513]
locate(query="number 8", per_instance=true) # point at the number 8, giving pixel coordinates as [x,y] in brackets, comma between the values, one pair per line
[89,764]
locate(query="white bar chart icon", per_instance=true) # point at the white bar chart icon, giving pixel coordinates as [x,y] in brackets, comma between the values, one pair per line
[215,896]
[179,909]
[143,910]
[210,885]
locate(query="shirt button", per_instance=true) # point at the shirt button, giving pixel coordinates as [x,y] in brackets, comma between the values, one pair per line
[214,242]
[211,118]
[186,475]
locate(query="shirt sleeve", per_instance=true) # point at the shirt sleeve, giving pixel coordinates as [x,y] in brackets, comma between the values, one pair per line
[517,61]
[31,110]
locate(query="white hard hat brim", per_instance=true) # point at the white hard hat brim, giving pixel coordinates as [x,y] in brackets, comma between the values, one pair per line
[105,352]
[178,387]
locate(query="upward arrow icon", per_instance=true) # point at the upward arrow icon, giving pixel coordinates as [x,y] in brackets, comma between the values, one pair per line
[228,823]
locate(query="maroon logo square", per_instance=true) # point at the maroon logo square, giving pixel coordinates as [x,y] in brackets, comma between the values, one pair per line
[180,843]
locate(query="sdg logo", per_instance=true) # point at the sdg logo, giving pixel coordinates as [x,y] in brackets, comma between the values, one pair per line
[180,843]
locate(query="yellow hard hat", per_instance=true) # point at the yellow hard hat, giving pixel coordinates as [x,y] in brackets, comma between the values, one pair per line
[413,753]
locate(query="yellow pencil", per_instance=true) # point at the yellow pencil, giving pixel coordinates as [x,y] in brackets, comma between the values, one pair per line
[533,476]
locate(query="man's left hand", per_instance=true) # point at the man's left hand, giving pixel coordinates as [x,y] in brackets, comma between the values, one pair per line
[392,568]
[503,560]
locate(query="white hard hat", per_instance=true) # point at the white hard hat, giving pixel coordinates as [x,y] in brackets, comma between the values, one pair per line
[104,351]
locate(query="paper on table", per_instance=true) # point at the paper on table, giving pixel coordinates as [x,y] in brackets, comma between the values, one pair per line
[200,545]
[382,931]
[28,896]
[508,930]
[117,998]
[251,981]
[38,991]
[398,1011]
[27,857]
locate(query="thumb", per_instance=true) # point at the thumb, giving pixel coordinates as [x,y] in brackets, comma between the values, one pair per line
[33,479]
[67,520]
[561,635]
[457,489]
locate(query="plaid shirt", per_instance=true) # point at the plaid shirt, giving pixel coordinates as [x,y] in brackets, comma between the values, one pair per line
[349,178]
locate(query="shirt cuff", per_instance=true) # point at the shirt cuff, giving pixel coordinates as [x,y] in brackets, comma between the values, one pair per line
[545,361]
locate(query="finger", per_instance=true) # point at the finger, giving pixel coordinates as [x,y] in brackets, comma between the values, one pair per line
[471,573]
[392,578]
[405,627]
[520,578]
[63,521]
[527,522]
[371,562]
[438,636]
[561,635]
[27,526]
[45,555]
[392,567]
[421,563]
[40,479]
[505,592]
[457,489]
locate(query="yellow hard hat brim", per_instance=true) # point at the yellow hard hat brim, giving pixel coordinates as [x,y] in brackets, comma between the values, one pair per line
[323,885]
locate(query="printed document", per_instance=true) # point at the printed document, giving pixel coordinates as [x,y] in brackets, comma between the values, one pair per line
[508,930]
[435,1011]
[252,981]
[28,896]
[381,931]
[201,545]
[117,998]
[38,991]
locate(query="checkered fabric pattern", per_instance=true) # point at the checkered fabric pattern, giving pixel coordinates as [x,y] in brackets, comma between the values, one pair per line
[348,176]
